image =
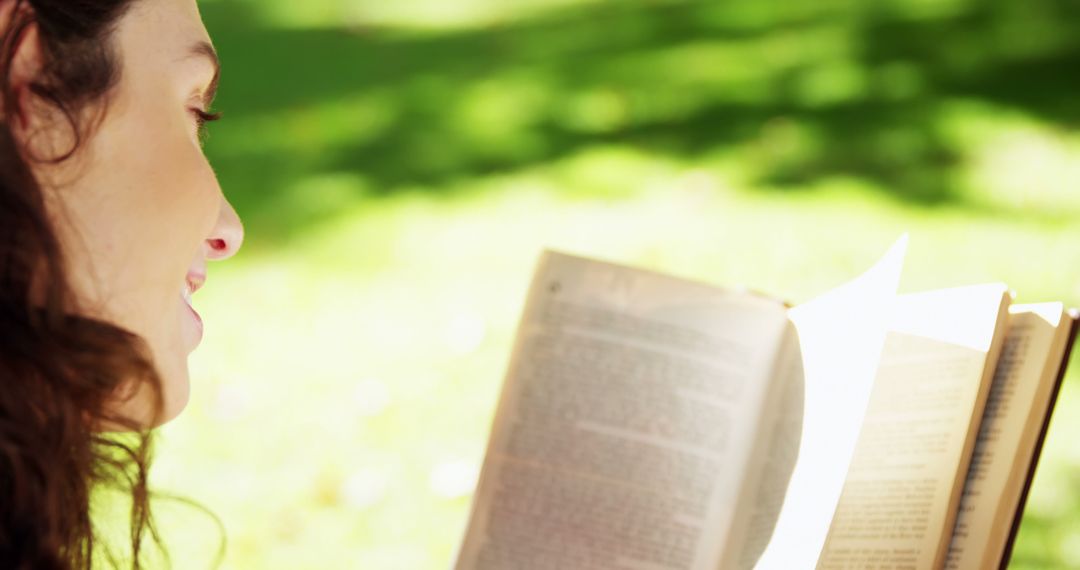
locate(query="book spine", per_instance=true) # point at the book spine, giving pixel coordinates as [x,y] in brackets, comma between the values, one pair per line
[1074,316]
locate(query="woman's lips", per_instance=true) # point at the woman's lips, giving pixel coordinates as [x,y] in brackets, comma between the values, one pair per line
[193,283]
[187,301]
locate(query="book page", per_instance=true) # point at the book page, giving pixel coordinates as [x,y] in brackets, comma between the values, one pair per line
[900,499]
[769,473]
[626,423]
[840,334]
[1018,402]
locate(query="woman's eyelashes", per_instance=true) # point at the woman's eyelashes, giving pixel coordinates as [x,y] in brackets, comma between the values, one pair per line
[203,117]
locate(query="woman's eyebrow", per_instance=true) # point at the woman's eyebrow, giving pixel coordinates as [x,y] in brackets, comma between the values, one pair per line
[206,50]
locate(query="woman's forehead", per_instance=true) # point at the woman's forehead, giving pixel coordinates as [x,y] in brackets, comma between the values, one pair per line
[162,29]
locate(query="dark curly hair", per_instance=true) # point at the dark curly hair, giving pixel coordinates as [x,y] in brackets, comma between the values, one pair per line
[60,371]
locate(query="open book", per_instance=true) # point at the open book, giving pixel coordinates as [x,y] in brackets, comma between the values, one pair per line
[653,423]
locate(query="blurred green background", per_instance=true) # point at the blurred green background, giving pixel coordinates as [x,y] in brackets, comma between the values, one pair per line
[399,166]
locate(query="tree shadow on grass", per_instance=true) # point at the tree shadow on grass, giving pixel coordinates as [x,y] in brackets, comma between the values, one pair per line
[798,93]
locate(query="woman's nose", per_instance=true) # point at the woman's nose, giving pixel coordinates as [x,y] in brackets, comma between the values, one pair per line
[228,234]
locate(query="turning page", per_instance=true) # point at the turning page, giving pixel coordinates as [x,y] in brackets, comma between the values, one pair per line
[767,476]
[840,334]
[900,499]
[626,424]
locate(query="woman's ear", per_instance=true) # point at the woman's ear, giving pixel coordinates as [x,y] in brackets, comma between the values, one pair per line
[24,61]
[44,131]
[27,60]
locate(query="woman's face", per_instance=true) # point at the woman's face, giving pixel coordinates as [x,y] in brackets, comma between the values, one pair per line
[138,208]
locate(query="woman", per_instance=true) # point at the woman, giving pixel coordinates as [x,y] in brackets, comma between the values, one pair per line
[109,212]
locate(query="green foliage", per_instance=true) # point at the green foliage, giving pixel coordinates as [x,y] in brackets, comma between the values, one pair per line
[400,165]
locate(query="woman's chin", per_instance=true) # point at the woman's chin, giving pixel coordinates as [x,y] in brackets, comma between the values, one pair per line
[171,361]
[175,389]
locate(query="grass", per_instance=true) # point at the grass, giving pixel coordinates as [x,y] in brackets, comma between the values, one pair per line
[400,168]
